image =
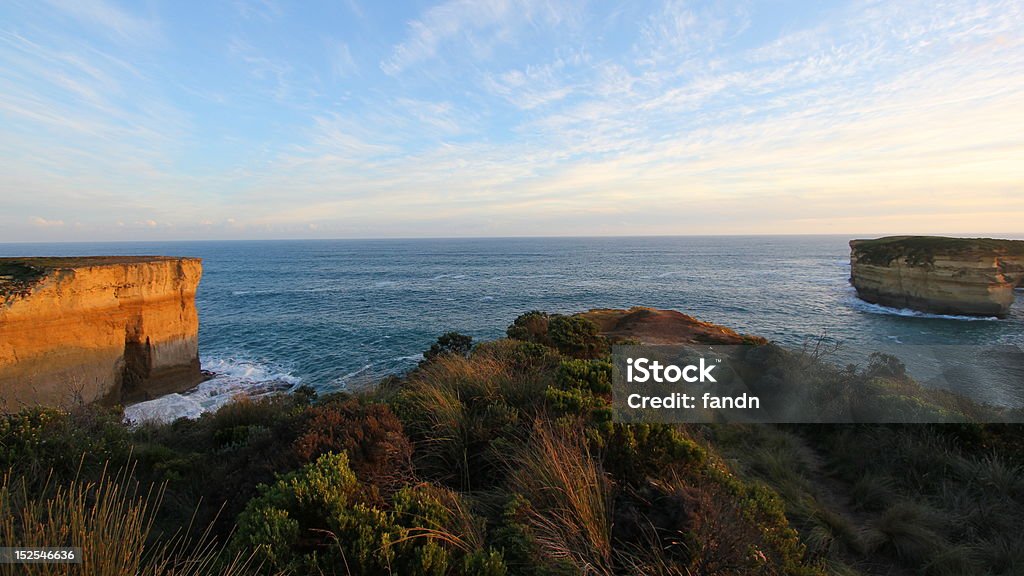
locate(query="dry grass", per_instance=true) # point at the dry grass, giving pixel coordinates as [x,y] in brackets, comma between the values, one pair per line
[450,406]
[111,520]
[570,498]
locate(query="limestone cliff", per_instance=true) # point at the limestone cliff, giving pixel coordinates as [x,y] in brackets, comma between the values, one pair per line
[969,276]
[97,329]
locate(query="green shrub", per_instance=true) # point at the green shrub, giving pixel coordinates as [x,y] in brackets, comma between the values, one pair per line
[450,343]
[531,327]
[576,336]
[519,546]
[36,442]
[213,465]
[520,357]
[886,366]
[632,452]
[318,520]
[582,388]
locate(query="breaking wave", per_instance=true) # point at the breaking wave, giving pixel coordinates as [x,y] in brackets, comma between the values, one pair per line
[232,378]
[862,306]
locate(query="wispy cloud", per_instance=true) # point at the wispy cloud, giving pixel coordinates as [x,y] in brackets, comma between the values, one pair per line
[273,72]
[44,223]
[342,63]
[478,24]
[561,119]
[266,10]
[114,21]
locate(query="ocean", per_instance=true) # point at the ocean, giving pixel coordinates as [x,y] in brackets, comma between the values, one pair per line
[340,314]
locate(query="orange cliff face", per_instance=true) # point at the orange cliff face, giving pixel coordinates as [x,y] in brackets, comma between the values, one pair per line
[108,329]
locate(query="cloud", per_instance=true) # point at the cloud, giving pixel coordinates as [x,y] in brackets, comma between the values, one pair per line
[116,22]
[263,9]
[44,223]
[479,23]
[273,72]
[532,87]
[342,63]
[863,118]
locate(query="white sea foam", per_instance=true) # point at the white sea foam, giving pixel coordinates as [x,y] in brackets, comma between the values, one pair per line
[868,307]
[373,372]
[232,378]
[346,377]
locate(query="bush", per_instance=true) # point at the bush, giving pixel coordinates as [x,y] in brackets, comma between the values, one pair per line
[518,542]
[633,452]
[217,462]
[886,366]
[450,343]
[582,388]
[370,434]
[530,327]
[576,336]
[38,441]
[316,520]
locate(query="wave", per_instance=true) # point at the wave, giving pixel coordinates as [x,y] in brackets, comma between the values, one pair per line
[232,378]
[354,373]
[862,306]
[283,292]
[368,375]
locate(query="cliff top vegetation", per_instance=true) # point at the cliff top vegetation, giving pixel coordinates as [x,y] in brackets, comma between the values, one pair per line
[921,250]
[18,275]
[502,458]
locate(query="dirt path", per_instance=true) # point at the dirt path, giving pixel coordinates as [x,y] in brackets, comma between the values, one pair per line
[832,494]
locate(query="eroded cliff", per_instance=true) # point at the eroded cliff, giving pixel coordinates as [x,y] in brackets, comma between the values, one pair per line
[97,329]
[966,276]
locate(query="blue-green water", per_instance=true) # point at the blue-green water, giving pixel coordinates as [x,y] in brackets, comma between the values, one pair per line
[338,313]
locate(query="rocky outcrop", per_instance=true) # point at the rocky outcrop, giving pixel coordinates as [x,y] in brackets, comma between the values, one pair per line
[110,329]
[964,276]
[654,326]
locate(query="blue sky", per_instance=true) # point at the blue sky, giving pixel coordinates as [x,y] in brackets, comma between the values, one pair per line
[265,119]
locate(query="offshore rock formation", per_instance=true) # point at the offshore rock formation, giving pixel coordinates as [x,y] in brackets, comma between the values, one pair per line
[964,276]
[109,329]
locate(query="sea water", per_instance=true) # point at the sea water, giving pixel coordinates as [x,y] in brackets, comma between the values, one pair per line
[339,314]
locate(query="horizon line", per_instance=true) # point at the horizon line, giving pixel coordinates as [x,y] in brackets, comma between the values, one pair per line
[522,237]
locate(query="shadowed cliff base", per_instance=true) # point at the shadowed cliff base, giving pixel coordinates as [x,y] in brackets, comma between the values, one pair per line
[959,276]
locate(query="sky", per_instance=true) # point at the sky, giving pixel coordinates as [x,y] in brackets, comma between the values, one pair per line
[248,119]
